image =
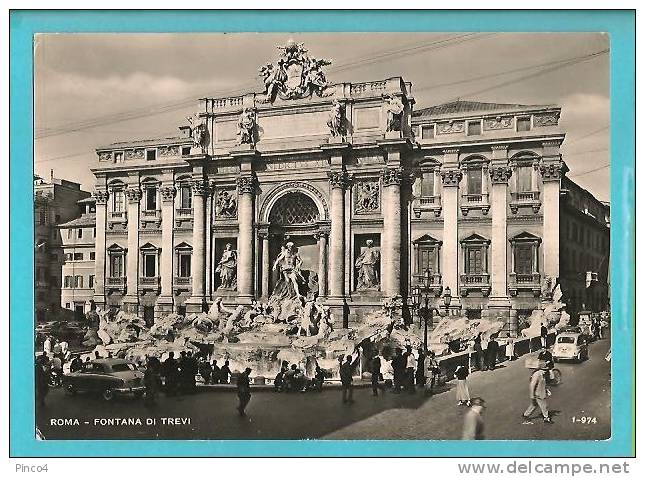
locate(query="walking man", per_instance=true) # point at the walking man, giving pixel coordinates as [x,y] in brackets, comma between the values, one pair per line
[538,393]
[376,374]
[346,376]
[243,391]
[491,353]
[474,421]
[410,366]
[398,368]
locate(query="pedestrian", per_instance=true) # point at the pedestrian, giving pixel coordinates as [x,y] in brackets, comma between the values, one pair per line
[484,354]
[76,364]
[205,370]
[170,372]
[433,372]
[398,369]
[97,355]
[375,367]
[280,382]
[346,375]
[87,362]
[57,370]
[410,366]
[225,373]
[182,364]
[510,347]
[463,394]
[243,391]
[152,379]
[47,345]
[42,380]
[474,420]
[544,334]
[538,394]
[319,379]
[191,372]
[491,353]
[479,353]
[215,373]
[420,375]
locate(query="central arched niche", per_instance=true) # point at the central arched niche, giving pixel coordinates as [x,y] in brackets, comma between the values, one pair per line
[293,209]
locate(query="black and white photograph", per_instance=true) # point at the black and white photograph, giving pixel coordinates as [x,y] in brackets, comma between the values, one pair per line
[338,236]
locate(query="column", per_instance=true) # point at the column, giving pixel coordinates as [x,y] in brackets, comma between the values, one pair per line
[499,176]
[165,301]
[391,239]
[196,303]
[486,198]
[246,190]
[266,264]
[534,176]
[436,187]
[551,171]
[338,182]
[322,262]
[131,300]
[450,177]
[101,198]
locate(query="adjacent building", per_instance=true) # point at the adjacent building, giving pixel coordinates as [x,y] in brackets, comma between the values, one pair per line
[373,193]
[55,202]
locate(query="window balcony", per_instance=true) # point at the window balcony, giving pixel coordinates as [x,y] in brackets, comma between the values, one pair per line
[152,284]
[182,284]
[150,217]
[474,202]
[183,215]
[115,284]
[530,282]
[427,204]
[433,282]
[525,199]
[474,282]
[117,217]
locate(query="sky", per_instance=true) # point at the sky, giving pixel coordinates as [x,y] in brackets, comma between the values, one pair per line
[94,89]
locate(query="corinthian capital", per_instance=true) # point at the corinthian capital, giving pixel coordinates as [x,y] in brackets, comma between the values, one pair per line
[451,177]
[101,197]
[552,172]
[338,179]
[168,193]
[500,174]
[392,176]
[133,194]
[200,187]
[247,184]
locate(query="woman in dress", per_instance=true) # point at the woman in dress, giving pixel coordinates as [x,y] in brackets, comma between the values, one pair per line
[463,394]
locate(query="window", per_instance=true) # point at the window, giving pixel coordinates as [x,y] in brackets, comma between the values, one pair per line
[70,233]
[118,201]
[69,257]
[185,197]
[78,281]
[524,259]
[78,256]
[94,232]
[427,132]
[80,233]
[524,124]
[151,154]
[149,265]
[474,178]
[474,128]
[69,283]
[525,254]
[92,255]
[524,178]
[116,264]
[118,157]
[184,264]
[68,305]
[427,184]
[90,281]
[185,151]
[475,249]
[151,198]
[42,217]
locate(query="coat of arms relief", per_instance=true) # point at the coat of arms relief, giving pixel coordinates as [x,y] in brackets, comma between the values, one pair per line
[295,75]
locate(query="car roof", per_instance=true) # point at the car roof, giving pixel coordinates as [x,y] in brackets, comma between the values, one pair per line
[110,361]
[570,333]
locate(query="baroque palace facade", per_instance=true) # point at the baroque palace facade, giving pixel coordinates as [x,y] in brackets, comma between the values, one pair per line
[369,193]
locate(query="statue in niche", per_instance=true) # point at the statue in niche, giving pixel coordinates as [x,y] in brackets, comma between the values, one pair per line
[227,268]
[394,112]
[226,205]
[367,196]
[335,123]
[246,127]
[199,132]
[366,264]
[290,279]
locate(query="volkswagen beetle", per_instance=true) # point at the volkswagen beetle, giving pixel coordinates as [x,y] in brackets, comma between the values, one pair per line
[570,346]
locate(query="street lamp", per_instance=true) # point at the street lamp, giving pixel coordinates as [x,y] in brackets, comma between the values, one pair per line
[421,294]
[447,298]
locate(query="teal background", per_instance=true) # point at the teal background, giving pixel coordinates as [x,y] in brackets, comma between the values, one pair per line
[619,24]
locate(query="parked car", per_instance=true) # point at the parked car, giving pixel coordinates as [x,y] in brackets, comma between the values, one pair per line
[570,346]
[108,377]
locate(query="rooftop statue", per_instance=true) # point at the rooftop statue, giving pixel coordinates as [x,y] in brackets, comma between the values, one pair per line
[246,127]
[199,132]
[295,75]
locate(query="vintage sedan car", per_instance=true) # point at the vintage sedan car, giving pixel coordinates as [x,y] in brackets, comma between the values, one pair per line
[571,346]
[107,377]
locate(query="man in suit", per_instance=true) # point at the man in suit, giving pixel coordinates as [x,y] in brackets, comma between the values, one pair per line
[243,391]
[538,393]
[346,376]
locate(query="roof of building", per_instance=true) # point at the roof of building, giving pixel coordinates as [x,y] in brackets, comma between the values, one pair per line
[461,106]
[156,141]
[87,200]
[84,220]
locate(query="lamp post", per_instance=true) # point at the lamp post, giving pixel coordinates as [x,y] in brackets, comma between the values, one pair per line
[421,294]
[447,298]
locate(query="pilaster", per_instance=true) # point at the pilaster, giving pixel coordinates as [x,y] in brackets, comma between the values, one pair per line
[450,178]
[246,188]
[131,299]
[165,300]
